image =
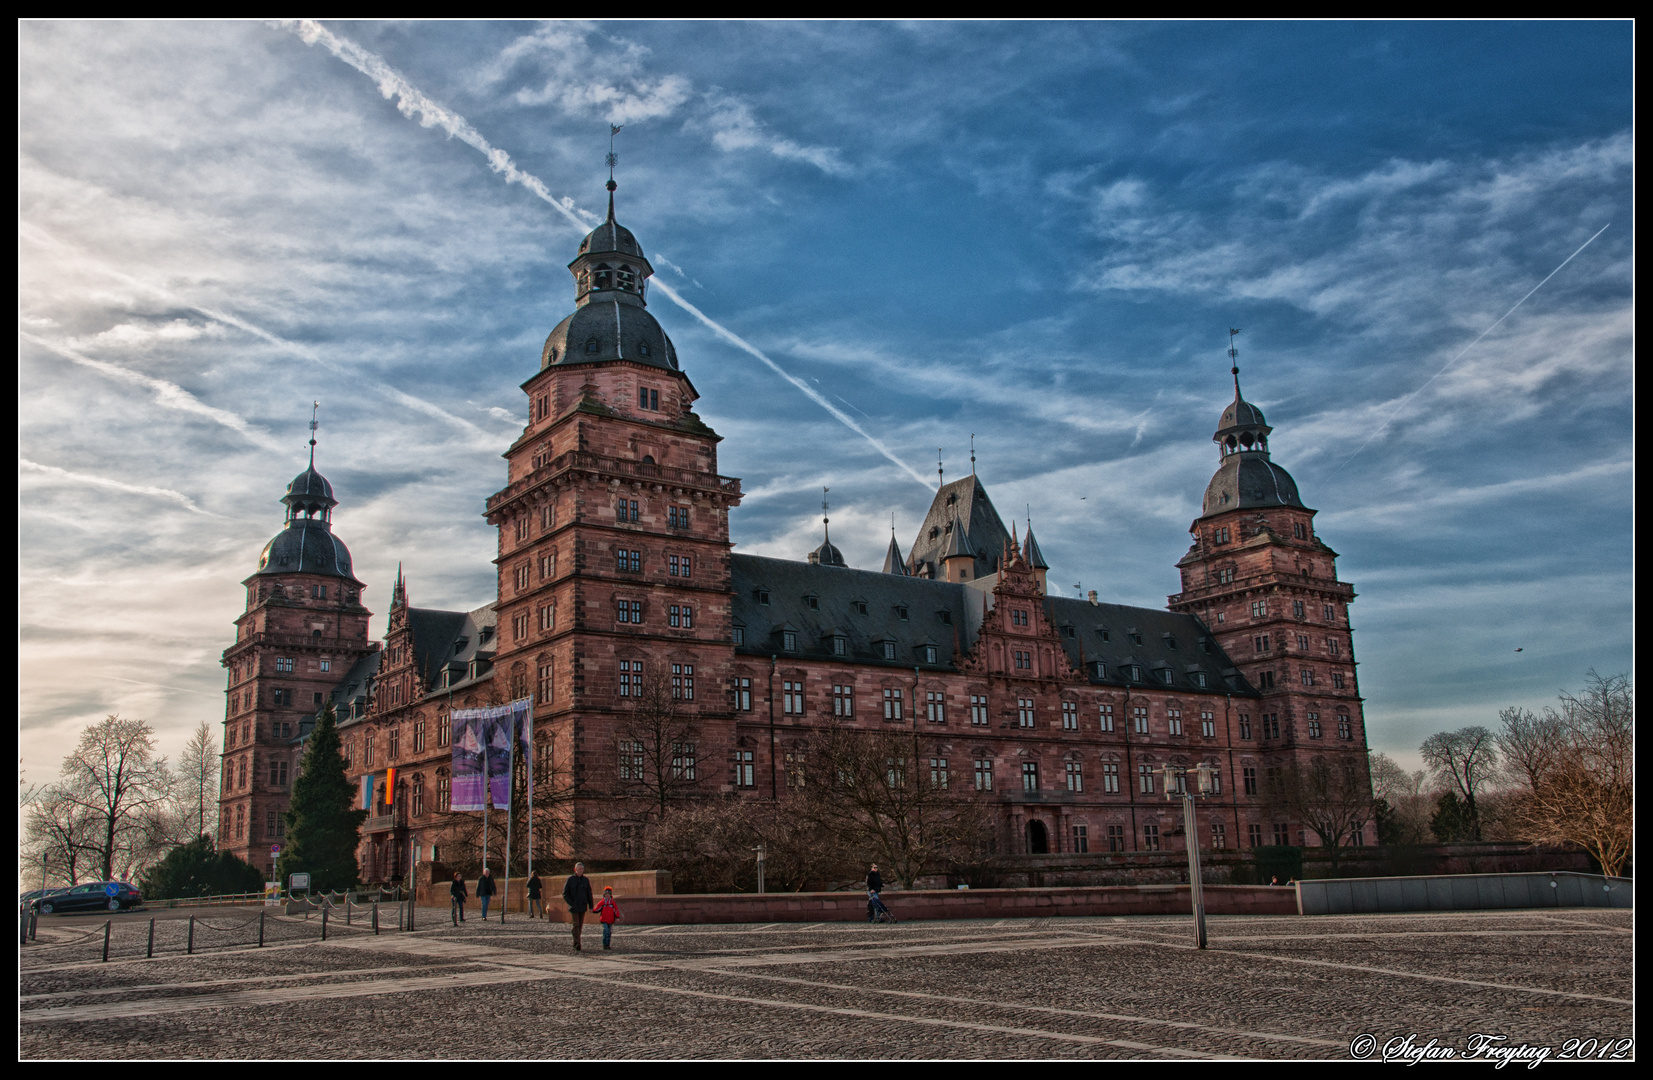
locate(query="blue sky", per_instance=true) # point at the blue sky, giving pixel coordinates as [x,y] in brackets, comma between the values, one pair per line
[1035,233]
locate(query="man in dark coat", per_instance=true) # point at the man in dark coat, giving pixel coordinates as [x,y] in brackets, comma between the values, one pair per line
[536,910]
[875,885]
[485,891]
[460,894]
[576,893]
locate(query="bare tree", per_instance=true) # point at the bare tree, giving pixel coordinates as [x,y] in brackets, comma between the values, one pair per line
[1466,761]
[198,779]
[1578,768]
[1330,797]
[656,763]
[58,838]
[876,791]
[1406,799]
[114,776]
[711,846]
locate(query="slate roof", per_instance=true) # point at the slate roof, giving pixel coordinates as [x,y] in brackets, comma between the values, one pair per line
[893,562]
[622,330]
[465,656]
[350,696]
[1164,641]
[839,593]
[1030,551]
[965,500]
[306,546]
[1247,480]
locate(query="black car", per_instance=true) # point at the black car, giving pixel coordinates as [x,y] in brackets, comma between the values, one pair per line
[93,896]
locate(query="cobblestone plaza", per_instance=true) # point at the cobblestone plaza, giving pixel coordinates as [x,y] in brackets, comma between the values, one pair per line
[1268,987]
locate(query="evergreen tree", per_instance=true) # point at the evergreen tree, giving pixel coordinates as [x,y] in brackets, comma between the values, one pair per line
[1452,821]
[198,869]
[323,826]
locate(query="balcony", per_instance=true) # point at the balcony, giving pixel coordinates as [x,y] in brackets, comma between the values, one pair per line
[390,819]
[605,467]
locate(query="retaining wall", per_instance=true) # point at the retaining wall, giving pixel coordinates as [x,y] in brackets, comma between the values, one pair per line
[947,904]
[626,883]
[1463,892]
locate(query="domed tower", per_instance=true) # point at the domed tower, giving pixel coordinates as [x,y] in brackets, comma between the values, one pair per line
[1266,586]
[613,536]
[303,628]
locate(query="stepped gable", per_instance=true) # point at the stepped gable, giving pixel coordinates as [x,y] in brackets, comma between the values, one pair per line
[934,611]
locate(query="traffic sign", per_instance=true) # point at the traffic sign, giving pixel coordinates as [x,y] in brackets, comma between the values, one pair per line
[275,849]
[111,889]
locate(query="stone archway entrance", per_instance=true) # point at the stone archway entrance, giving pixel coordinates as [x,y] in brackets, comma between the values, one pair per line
[1038,841]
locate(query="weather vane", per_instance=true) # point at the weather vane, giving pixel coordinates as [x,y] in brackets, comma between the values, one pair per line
[315,408]
[612,159]
[1234,356]
[972,454]
[939,471]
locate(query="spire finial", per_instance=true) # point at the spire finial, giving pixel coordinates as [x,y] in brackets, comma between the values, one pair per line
[892,524]
[1234,359]
[825,521]
[315,408]
[612,160]
[939,471]
[972,454]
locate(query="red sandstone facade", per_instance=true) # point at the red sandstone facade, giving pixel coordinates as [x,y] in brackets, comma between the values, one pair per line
[615,565]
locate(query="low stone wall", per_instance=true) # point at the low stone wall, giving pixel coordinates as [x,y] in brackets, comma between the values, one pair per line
[626,883]
[1463,892]
[947,904]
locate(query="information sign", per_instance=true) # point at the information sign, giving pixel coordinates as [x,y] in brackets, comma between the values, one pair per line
[298,881]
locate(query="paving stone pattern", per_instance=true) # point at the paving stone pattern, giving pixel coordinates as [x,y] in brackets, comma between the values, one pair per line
[1117,987]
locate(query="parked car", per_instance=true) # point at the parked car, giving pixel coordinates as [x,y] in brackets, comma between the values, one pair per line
[28,898]
[92,896]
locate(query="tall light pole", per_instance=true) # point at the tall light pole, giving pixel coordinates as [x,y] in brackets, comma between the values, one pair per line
[1176,786]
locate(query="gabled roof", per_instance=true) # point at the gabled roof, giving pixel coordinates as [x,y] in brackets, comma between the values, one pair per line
[893,562]
[965,501]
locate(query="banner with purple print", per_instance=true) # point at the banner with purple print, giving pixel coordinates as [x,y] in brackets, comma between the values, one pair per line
[482,744]
[467,791]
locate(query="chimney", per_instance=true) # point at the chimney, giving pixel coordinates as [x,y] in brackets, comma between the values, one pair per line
[1092,597]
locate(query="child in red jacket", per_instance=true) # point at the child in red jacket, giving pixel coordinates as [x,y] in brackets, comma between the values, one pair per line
[607,912]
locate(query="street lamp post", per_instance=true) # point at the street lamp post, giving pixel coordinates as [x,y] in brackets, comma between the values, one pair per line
[760,850]
[1176,786]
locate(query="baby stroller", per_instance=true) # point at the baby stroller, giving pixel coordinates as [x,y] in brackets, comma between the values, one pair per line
[876,911]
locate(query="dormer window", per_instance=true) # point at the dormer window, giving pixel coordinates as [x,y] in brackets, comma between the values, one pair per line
[1136,637]
[1067,631]
[935,531]
[860,607]
[627,279]
[762,595]
[901,612]
[789,640]
[1170,642]
[929,654]
[889,650]
[642,348]
[592,345]
[1102,632]
[1133,673]
[840,647]
[945,616]
[1200,679]
[1165,676]
[812,602]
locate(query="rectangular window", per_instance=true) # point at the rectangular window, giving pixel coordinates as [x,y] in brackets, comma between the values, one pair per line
[938,772]
[545,684]
[418,736]
[631,760]
[629,611]
[1254,835]
[1314,725]
[1030,776]
[683,682]
[792,698]
[522,528]
[1208,725]
[1249,774]
[929,654]
[548,517]
[1337,680]
[444,730]
[935,706]
[1110,778]
[1216,781]
[744,773]
[631,678]
[1307,677]
[840,647]
[519,576]
[1024,712]
[1265,680]
[1145,779]
[1282,835]
[548,566]
[1271,725]
[1219,835]
[278,774]
[737,635]
[677,517]
[1259,643]
[795,774]
[683,761]
[1344,729]
[1150,838]
[548,616]
[743,695]
[889,650]
[1174,720]
[1070,716]
[519,626]
[789,640]
[674,616]
[892,704]
[1116,838]
[417,801]
[1105,717]
[648,399]
[1297,608]
[367,756]
[628,560]
[1075,776]
[1081,842]
[978,710]
[843,700]
[394,750]
[1024,659]
[284,663]
[1302,643]
[984,774]
[1139,716]
[1259,609]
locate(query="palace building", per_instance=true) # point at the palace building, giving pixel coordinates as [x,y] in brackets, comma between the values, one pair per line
[616,573]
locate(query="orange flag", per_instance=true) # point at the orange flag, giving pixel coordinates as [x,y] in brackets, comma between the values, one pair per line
[390,787]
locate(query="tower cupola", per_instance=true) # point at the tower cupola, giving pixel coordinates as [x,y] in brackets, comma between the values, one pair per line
[1246,479]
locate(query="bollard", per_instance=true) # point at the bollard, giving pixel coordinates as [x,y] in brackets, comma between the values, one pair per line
[23,926]
[149,950]
[107,924]
[375,918]
[412,906]
[260,929]
[324,922]
[347,911]
[190,948]
[34,924]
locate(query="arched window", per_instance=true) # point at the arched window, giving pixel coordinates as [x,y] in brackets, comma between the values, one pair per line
[604,277]
[627,278]
[240,821]
[519,679]
[444,790]
[418,806]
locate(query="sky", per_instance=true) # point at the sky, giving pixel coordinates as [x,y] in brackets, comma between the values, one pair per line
[897,236]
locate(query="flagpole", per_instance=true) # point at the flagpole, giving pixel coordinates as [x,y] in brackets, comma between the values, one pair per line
[510,814]
[530,743]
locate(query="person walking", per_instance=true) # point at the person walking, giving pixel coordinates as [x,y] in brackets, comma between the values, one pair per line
[534,897]
[459,893]
[607,912]
[485,891]
[875,885]
[576,893]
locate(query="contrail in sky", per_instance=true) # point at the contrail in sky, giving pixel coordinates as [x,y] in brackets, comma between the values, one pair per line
[1396,411]
[37,235]
[167,394]
[114,485]
[413,104]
